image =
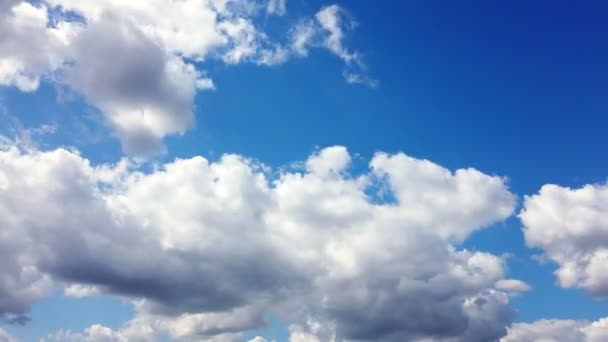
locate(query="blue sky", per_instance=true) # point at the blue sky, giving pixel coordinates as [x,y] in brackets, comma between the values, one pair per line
[514,90]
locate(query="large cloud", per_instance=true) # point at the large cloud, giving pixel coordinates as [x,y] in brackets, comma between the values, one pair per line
[555,330]
[206,249]
[571,227]
[139,62]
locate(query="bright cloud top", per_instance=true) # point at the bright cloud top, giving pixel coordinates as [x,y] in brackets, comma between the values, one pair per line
[139,63]
[571,227]
[205,250]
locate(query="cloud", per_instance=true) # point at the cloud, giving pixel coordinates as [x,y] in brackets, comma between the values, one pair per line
[99,333]
[139,63]
[276,7]
[333,20]
[512,285]
[144,93]
[328,30]
[29,46]
[205,250]
[248,44]
[558,330]
[354,78]
[80,291]
[570,226]
[258,339]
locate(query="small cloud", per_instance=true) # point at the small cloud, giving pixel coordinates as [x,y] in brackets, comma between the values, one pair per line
[512,286]
[352,78]
[276,7]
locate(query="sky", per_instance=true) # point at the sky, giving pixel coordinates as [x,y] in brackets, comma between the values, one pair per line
[303,171]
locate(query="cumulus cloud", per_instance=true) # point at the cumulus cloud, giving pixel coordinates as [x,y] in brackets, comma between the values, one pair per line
[554,330]
[205,249]
[354,78]
[571,227]
[139,63]
[144,93]
[29,46]
[276,7]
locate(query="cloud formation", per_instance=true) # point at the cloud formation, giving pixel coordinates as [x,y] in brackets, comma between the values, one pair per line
[140,63]
[571,228]
[328,30]
[314,247]
[555,330]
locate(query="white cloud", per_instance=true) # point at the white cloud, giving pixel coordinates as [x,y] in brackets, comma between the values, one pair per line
[297,335]
[512,285]
[276,7]
[354,78]
[80,290]
[328,30]
[187,28]
[248,44]
[29,47]
[553,330]
[146,92]
[312,245]
[329,161]
[571,227]
[427,189]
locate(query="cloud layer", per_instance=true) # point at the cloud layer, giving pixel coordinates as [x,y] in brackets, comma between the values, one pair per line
[207,249]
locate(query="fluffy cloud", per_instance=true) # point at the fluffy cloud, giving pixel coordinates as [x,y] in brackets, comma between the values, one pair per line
[139,63]
[558,331]
[571,227]
[206,249]
[144,93]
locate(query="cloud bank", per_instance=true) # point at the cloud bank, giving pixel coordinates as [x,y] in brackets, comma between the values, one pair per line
[205,250]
